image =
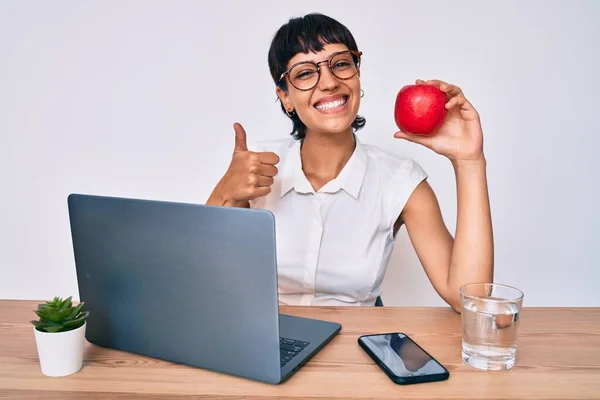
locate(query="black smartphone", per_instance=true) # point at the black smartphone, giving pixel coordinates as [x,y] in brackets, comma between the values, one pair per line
[403,360]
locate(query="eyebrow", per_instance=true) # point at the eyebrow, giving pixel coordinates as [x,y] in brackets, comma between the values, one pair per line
[317,58]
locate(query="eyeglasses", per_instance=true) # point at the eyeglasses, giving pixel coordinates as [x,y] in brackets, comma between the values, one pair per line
[306,74]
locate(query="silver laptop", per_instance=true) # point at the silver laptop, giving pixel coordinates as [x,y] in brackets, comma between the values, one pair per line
[188,283]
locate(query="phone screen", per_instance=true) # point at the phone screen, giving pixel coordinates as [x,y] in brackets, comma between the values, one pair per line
[403,357]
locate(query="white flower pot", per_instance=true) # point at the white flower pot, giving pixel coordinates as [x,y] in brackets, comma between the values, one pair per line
[60,353]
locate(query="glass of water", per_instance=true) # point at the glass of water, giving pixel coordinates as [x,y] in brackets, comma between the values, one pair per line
[490,319]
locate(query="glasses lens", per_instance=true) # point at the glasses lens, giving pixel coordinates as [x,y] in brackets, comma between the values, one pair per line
[344,65]
[304,76]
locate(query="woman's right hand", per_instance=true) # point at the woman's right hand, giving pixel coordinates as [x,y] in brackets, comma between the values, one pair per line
[249,176]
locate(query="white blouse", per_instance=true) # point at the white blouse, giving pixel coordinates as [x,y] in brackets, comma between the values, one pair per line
[333,245]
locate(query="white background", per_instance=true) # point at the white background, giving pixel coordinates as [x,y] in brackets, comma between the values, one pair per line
[138,98]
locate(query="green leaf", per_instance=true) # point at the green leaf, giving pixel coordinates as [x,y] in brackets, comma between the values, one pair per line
[44,307]
[53,329]
[75,326]
[38,324]
[53,315]
[57,312]
[67,303]
[75,312]
[47,307]
[47,321]
[76,323]
[65,313]
[45,327]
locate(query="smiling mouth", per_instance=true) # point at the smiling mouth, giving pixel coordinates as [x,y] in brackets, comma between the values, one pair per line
[331,105]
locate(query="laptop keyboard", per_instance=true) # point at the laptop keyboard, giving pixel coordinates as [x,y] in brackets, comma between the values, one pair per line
[289,348]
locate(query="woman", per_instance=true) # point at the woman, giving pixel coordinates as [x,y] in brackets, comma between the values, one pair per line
[338,203]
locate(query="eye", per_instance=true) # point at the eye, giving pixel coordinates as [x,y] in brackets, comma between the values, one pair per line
[305,73]
[342,64]
[342,61]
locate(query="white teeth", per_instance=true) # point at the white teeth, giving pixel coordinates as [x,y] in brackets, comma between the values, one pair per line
[331,104]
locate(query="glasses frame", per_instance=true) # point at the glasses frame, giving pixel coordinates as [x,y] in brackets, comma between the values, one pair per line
[358,55]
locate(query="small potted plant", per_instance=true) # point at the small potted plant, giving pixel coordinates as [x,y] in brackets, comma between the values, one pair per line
[60,336]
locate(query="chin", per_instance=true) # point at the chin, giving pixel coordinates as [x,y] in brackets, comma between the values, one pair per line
[331,128]
[336,129]
[334,125]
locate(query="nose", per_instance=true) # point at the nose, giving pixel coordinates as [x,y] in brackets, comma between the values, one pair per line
[327,81]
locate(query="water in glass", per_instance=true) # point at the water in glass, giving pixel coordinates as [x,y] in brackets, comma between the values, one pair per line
[489,337]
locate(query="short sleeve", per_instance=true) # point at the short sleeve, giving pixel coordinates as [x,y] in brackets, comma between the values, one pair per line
[405,178]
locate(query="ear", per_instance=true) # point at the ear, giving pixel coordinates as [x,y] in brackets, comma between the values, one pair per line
[284,98]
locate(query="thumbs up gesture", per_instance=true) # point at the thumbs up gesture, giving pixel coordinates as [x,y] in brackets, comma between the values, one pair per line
[249,176]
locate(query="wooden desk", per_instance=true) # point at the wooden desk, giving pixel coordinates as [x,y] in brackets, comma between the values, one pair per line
[558,358]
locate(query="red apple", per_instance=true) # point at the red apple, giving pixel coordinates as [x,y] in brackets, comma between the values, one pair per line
[420,109]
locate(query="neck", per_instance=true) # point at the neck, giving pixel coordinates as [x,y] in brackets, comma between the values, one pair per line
[324,155]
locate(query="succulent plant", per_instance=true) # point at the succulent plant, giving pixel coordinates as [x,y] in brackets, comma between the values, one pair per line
[59,315]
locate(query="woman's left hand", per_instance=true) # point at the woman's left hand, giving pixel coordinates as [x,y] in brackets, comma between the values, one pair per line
[460,137]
